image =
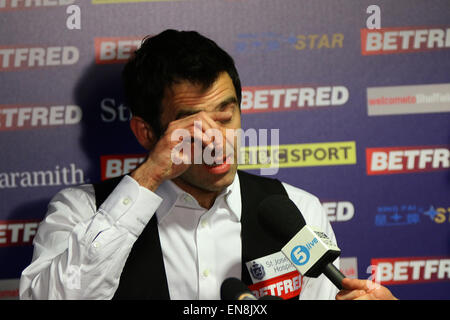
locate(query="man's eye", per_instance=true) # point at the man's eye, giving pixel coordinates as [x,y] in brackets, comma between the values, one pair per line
[225,121]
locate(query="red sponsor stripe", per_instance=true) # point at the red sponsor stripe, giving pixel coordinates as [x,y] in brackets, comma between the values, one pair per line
[9,293]
[285,283]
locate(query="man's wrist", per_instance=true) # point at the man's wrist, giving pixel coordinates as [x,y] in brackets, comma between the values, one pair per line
[148,177]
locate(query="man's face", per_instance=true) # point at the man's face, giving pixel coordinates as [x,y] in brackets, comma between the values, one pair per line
[185,99]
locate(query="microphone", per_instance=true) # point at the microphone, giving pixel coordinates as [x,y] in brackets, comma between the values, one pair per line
[307,248]
[235,289]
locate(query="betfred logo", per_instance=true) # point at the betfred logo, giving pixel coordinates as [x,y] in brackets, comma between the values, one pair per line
[115,49]
[33,117]
[112,166]
[286,286]
[387,271]
[338,211]
[407,159]
[17,232]
[23,57]
[404,39]
[279,98]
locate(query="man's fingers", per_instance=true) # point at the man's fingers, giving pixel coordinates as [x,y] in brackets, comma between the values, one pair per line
[354,284]
[350,294]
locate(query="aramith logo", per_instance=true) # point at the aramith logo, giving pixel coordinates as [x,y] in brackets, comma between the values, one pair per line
[58,176]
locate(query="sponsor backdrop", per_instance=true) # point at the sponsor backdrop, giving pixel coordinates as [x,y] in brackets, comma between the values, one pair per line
[359,90]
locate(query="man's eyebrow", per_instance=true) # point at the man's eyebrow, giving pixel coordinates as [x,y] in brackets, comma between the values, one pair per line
[220,106]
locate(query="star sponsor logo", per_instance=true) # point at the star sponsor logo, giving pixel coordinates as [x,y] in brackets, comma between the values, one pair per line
[271,41]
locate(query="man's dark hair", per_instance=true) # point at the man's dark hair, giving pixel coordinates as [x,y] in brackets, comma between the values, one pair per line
[168,58]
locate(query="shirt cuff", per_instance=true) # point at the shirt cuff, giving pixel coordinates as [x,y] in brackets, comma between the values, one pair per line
[131,205]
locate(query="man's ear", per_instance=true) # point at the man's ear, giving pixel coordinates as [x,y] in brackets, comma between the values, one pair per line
[143,132]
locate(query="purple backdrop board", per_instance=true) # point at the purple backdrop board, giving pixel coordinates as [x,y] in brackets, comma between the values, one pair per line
[361,99]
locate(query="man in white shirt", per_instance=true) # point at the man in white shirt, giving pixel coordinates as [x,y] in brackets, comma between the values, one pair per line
[169,229]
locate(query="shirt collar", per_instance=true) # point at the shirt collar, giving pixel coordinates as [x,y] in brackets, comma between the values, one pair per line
[173,196]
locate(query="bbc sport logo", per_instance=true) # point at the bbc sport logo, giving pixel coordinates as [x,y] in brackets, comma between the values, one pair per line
[411,214]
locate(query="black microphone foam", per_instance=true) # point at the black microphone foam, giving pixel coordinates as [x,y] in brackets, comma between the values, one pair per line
[232,289]
[279,215]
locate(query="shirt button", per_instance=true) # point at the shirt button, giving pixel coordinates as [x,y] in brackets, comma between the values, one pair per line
[187,199]
[204,223]
[96,244]
[206,273]
[126,201]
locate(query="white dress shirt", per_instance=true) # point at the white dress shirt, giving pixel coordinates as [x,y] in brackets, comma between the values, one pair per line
[79,252]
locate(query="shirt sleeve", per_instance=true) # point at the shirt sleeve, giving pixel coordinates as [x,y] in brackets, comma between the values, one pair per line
[309,205]
[79,252]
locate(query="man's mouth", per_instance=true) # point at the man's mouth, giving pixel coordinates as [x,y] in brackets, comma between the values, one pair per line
[219,168]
